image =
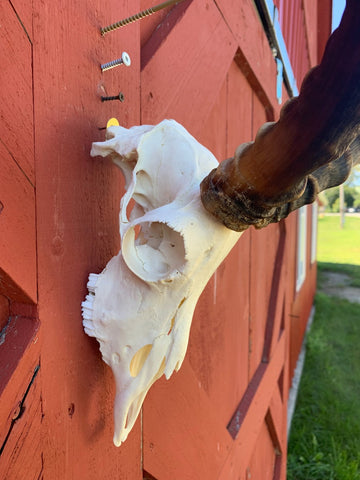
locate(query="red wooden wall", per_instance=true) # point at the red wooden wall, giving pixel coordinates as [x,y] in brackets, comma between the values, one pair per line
[209,66]
[306,26]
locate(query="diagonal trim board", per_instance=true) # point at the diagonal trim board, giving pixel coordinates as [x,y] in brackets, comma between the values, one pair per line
[251,414]
[243,20]
[277,295]
[17,227]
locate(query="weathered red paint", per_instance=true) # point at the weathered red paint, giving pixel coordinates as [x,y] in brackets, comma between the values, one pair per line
[297,23]
[223,416]
[303,301]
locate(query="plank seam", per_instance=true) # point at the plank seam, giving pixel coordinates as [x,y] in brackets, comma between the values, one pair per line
[21,409]
[21,23]
[17,164]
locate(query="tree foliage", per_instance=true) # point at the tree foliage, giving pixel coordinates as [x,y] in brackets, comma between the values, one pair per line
[352,197]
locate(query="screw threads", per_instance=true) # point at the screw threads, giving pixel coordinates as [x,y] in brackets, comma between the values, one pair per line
[120,97]
[126,21]
[125,59]
[138,16]
[112,64]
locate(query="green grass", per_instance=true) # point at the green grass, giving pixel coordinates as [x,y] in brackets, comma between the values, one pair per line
[325,435]
[338,245]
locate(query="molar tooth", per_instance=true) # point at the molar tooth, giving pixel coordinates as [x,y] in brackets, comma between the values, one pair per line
[87,307]
[88,325]
[86,314]
[91,285]
[88,302]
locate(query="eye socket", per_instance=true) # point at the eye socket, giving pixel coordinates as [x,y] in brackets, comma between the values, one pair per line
[156,252]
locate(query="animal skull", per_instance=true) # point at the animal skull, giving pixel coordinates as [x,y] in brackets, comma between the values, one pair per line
[141,306]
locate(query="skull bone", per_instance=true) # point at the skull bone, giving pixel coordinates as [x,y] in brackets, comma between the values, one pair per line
[141,306]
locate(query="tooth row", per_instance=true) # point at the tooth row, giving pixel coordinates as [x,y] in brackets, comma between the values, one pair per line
[91,285]
[87,307]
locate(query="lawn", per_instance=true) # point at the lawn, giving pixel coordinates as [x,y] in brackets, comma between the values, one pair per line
[325,435]
[336,245]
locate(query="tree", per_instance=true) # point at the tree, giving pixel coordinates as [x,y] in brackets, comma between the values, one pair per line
[357,198]
[332,194]
[350,195]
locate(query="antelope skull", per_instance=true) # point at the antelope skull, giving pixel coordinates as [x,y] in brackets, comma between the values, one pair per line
[141,306]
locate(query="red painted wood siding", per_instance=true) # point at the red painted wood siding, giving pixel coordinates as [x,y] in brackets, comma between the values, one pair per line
[303,299]
[305,26]
[209,66]
[293,26]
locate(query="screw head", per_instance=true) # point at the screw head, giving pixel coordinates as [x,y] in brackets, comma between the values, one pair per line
[125,57]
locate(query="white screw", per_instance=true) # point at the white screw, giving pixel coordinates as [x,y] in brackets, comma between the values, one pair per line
[125,59]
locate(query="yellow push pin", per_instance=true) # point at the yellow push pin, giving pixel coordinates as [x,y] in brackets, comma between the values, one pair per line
[113,122]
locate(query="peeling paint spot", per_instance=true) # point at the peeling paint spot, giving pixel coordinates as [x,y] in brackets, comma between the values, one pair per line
[71,410]
[4,332]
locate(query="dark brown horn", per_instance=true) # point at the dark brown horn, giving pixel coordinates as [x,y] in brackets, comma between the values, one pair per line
[285,166]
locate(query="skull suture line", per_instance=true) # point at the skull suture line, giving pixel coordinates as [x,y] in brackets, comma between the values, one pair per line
[141,306]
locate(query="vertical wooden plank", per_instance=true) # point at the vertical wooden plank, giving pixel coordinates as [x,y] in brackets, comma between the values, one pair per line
[183,434]
[185,86]
[221,356]
[240,109]
[218,349]
[262,462]
[77,211]
[214,133]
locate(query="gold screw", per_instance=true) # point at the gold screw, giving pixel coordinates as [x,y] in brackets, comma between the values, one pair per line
[138,16]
